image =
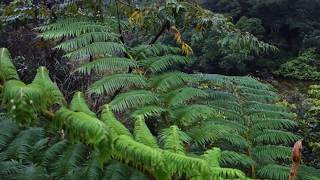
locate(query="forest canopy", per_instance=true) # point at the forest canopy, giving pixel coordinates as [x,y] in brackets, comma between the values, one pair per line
[159,89]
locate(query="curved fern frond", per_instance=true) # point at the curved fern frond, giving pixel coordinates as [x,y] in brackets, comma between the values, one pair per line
[80,125]
[53,152]
[79,104]
[7,69]
[107,64]
[114,82]
[173,139]
[142,133]
[110,120]
[51,92]
[133,99]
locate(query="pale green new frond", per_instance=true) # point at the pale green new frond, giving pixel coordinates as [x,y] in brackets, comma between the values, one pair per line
[16,92]
[142,133]
[166,81]
[51,92]
[231,158]
[81,125]
[7,69]
[273,171]
[79,104]
[173,139]
[111,121]
[96,49]
[261,124]
[107,64]
[148,111]
[129,149]
[275,137]
[162,63]
[212,157]
[133,99]
[86,39]
[182,95]
[273,152]
[113,82]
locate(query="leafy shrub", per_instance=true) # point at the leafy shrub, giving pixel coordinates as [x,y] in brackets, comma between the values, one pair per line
[305,67]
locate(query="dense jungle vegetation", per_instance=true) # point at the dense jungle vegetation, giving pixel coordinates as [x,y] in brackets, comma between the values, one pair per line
[160,89]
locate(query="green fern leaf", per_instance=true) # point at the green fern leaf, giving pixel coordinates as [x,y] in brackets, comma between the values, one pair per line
[78,104]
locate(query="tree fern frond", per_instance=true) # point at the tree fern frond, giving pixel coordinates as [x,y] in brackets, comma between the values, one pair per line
[79,104]
[166,81]
[92,168]
[96,49]
[173,139]
[7,69]
[188,115]
[107,64]
[275,137]
[180,96]
[272,152]
[51,92]
[273,124]
[231,158]
[133,99]
[148,111]
[114,82]
[273,171]
[129,149]
[71,27]
[81,125]
[145,51]
[110,120]
[162,63]
[142,133]
[86,39]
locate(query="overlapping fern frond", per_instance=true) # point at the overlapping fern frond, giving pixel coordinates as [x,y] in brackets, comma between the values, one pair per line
[7,69]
